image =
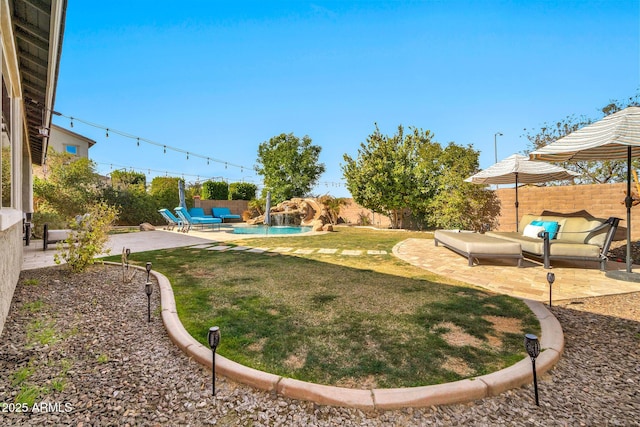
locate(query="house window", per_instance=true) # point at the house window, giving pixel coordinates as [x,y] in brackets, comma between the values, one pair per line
[71,149]
[5,144]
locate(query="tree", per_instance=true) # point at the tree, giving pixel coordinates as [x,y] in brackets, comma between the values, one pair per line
[289,166]
[69,187]
[242,191]
[410,173]
[215,190]
[383,177]
[591,172]
[454,203]
[126,179]
[165,191]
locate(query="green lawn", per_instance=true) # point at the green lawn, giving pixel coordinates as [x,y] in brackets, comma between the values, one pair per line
[359,321]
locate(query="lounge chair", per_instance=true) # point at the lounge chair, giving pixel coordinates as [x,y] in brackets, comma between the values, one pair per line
[224,213]
[191,221]
[172,221]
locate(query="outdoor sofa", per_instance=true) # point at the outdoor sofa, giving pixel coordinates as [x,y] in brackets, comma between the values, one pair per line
[224,214]
[559,237]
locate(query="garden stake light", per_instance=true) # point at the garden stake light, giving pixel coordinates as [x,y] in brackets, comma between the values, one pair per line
[551,277]
[148,270]
[214,339]
[532,345]
[148,290]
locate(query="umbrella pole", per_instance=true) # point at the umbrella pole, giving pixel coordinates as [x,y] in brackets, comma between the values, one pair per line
[628,201]
[517,227]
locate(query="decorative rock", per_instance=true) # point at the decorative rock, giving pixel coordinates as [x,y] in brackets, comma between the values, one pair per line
[145,226]
[595,382]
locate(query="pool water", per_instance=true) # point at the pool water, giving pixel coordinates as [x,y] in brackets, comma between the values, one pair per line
[262,229]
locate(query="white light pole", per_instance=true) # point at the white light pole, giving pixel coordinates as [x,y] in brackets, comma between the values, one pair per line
[495,144]
[495,147]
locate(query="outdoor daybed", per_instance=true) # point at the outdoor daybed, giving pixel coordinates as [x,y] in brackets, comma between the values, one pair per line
[475,245]
[555,237]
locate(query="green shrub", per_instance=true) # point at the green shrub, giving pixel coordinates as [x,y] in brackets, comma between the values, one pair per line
[164,191]
[134,204]
[215,190]
[242,191]
[88,237]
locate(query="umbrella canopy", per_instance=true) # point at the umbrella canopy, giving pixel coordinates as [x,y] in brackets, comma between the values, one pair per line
[616,136]
[518,169]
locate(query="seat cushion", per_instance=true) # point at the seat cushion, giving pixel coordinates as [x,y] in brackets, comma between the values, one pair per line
[561,249]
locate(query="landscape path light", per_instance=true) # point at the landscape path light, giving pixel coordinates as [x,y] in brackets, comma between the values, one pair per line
[213,337]
[148,290]
[148,270]
[551,277]
[532,345]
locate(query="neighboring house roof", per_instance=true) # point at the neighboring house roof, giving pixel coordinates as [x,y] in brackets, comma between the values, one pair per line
[90,142]
[38,26]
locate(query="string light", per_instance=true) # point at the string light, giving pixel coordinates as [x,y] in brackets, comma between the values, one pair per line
[187,155]
[140,139]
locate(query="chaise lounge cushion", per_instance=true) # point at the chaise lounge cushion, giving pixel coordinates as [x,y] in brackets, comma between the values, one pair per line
[224,213]
[533,245]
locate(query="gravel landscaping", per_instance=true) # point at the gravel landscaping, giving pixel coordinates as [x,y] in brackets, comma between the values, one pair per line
[82,346]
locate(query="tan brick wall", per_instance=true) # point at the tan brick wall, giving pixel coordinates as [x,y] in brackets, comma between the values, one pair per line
[599,200]
[352,211]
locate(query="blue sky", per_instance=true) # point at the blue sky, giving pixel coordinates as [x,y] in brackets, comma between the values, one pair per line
[217,78]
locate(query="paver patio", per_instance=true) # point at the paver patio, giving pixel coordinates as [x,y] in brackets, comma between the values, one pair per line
[572,280]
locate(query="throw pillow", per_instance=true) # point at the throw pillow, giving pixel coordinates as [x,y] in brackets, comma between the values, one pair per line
[532,231]
[550,227]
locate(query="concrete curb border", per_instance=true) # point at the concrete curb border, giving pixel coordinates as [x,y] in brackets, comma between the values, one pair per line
[519,374]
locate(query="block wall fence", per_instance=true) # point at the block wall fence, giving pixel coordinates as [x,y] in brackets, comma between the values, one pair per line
[598,200]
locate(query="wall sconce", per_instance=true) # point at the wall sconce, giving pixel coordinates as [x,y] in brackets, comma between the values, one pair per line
[551,277]
[532,345]
[213,337]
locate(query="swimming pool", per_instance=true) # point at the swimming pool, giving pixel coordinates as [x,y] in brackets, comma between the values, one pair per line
[263,229]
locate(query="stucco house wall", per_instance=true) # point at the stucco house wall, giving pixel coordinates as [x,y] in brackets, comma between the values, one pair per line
[60,138]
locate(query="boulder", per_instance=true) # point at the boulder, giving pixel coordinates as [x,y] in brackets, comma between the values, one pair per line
[145,226]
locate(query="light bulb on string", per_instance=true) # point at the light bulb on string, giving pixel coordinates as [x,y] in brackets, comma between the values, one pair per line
[207,161]
[107,134]
[71,124]
[165,149]
[225,165]
[138,143]
[187,155]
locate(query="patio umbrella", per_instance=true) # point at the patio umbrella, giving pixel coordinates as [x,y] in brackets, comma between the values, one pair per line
[267,209]
[181,193]
[615,137]
[519,169]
